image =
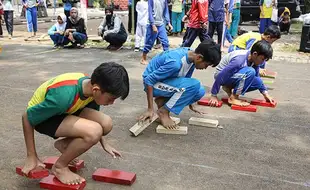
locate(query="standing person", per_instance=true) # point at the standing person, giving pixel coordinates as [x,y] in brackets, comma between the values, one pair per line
[31,15]
[265,14]
[216,19]
[75,30]
[198,23]
[142,10]
[177,15]
[8,16]
[158,18]
[112,30]
[235,19]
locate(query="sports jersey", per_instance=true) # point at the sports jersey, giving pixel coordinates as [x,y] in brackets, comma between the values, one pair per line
[168,64]
[246,41]
[62,94]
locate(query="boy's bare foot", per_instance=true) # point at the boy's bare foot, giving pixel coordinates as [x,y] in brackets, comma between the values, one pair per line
[61,146]
[227,90]
[165,119]
[233,99]
[64,175]
[31,163]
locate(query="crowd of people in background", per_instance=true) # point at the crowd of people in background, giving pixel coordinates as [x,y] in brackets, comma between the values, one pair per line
[154,21]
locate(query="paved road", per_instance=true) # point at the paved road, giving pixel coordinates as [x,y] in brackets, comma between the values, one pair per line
[264,150]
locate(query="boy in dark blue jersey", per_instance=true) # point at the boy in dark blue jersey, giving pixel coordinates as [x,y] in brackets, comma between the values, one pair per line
[168,78]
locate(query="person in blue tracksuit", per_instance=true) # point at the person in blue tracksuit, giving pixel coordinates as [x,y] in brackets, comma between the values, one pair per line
[158,19]
[216,17]
[238,73]
[168,78]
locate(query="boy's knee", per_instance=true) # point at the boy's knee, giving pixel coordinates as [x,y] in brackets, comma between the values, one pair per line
[107,125]
[251,72]
[94,133]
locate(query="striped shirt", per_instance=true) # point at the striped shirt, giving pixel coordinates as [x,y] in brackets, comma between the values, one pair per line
[62,94]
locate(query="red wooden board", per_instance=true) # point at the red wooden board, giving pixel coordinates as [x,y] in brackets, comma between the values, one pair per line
[270,74]
[205,102]
[52,183]
[114,176]
[34,174]
[250,108]
[262,103]
[49,162]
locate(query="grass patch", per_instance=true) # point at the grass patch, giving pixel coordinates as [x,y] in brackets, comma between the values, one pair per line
[289,47]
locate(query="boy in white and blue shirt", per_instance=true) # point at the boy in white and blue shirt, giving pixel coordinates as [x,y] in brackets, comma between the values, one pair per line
[238,73]
[167,78]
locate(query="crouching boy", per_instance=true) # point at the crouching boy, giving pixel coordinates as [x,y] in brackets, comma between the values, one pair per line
[168,78]
[68,106]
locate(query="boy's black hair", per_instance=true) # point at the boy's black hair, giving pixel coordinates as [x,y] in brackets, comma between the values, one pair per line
[112,78]
[264,48]
[210,51]
[273,31]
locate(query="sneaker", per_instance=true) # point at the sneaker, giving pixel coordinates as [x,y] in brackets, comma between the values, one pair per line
[55,46]
[137,49]
[10,36]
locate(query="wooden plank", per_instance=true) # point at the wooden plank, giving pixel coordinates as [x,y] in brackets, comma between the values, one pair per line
[181,130]
[114,176]
[203,122]
[250,108]
[139,127]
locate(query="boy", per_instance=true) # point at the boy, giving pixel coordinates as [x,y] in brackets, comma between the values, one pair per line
[246,41]
[238,73]
[158,13]
[197,24]
[68,106]
[168,78]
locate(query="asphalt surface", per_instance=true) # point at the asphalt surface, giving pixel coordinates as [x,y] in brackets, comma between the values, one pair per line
[268,149]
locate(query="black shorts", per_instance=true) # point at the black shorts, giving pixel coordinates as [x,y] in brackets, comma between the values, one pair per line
[50,126]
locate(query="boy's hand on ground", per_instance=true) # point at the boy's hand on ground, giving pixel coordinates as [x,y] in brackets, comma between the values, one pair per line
[147,115]
[213,101]
[31,163]
[268,98]
[194,109]
[109,149]
[154,29]
[262,72]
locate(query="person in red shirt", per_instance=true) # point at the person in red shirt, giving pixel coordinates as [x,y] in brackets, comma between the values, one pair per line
[197,26]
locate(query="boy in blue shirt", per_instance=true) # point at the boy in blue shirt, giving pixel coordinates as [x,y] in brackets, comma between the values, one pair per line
[238,73]
[168,78]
